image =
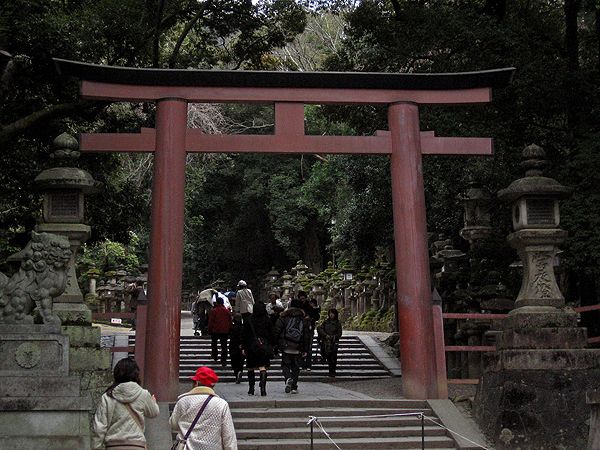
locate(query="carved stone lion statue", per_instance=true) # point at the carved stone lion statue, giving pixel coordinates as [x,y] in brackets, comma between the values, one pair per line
[26,297]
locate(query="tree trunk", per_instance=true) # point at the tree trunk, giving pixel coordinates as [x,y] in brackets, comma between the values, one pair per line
[571,9]
[312,247]
[597,26]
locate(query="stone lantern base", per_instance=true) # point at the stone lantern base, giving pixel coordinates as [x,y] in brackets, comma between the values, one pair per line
[536,398]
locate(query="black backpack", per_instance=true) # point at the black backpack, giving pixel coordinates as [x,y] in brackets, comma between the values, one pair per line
[293,329]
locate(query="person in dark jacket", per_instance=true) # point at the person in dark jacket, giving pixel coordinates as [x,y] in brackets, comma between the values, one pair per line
[329,334]
[257,346]
[293,335]
[219,325]
[236,336]
[313,314]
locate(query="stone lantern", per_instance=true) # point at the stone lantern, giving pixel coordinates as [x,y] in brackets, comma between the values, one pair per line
[348,274]
[300,268]
[273,275]
[536,217]
[476,204]
[64,189]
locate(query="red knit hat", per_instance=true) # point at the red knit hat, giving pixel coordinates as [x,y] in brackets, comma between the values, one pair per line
[205,376]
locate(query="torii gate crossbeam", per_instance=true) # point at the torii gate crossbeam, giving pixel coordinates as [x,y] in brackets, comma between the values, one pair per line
[172,90]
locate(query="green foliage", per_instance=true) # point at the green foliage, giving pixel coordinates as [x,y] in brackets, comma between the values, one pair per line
[178,34]
[107,256]
[373,320]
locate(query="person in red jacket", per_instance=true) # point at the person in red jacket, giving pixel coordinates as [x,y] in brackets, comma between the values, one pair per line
[219,326]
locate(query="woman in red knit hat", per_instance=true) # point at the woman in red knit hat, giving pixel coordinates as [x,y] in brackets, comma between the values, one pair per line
[201,418]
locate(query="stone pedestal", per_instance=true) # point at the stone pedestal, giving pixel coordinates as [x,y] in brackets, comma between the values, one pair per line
[43,406]
[542,406]
[593,399]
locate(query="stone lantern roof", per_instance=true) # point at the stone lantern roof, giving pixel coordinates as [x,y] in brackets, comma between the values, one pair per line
[66,152]
[534,183]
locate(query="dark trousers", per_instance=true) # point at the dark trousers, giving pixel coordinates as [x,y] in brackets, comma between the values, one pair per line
[237,361]
[290,365]
[216,337]
[331,359]
[246,317]
[308,359]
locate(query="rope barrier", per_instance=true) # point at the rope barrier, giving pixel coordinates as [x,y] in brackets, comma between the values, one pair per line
[431,419]
[317,420]
[314,419]
[368,416]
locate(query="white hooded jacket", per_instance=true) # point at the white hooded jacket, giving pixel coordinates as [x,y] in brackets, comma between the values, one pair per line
[113,422]
[214,430]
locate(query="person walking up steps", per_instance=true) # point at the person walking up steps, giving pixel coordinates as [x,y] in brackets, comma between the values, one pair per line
[120,418]
[219,325]
[330,332]
[244,300]
[201,419]
[236,337]
[293,337]
[257,346]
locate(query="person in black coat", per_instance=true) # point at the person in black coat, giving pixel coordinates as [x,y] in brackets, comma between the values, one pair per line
[257,346]
[236,337]
[329,334]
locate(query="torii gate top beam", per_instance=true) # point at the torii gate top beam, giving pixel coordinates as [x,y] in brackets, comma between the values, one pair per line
[132,84]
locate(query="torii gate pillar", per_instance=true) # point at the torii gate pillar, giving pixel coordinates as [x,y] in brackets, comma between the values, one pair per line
[161,364]
[412,257]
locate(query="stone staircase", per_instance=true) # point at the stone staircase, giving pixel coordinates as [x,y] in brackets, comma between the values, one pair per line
[282,424]
[355,361]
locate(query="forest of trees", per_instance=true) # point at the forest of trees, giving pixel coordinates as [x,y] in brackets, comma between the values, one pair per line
[246,213]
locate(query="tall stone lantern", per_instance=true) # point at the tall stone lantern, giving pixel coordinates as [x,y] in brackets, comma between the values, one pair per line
[532,391]
[63,189]
[536,220]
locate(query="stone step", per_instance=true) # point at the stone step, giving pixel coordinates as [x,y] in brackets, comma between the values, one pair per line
[412,443]
[337,433]
[245,423]
[318,404]
[276,374]
[361,361]
[276,364]
[325,412]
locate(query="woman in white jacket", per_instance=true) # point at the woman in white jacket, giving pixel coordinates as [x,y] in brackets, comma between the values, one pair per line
[119,422]
[213,430]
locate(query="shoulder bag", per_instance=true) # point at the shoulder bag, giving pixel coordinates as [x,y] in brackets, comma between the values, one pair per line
[181,444]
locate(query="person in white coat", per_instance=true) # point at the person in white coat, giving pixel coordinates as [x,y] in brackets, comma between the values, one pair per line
[244,301]
[214,428]
[119,422]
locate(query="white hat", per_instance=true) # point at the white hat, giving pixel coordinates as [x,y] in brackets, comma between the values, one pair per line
[242,283]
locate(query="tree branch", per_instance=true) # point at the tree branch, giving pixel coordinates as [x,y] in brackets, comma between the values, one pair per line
[157,30]
[184,33]
[49,113]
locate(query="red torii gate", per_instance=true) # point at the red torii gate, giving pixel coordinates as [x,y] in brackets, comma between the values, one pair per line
[172,90]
